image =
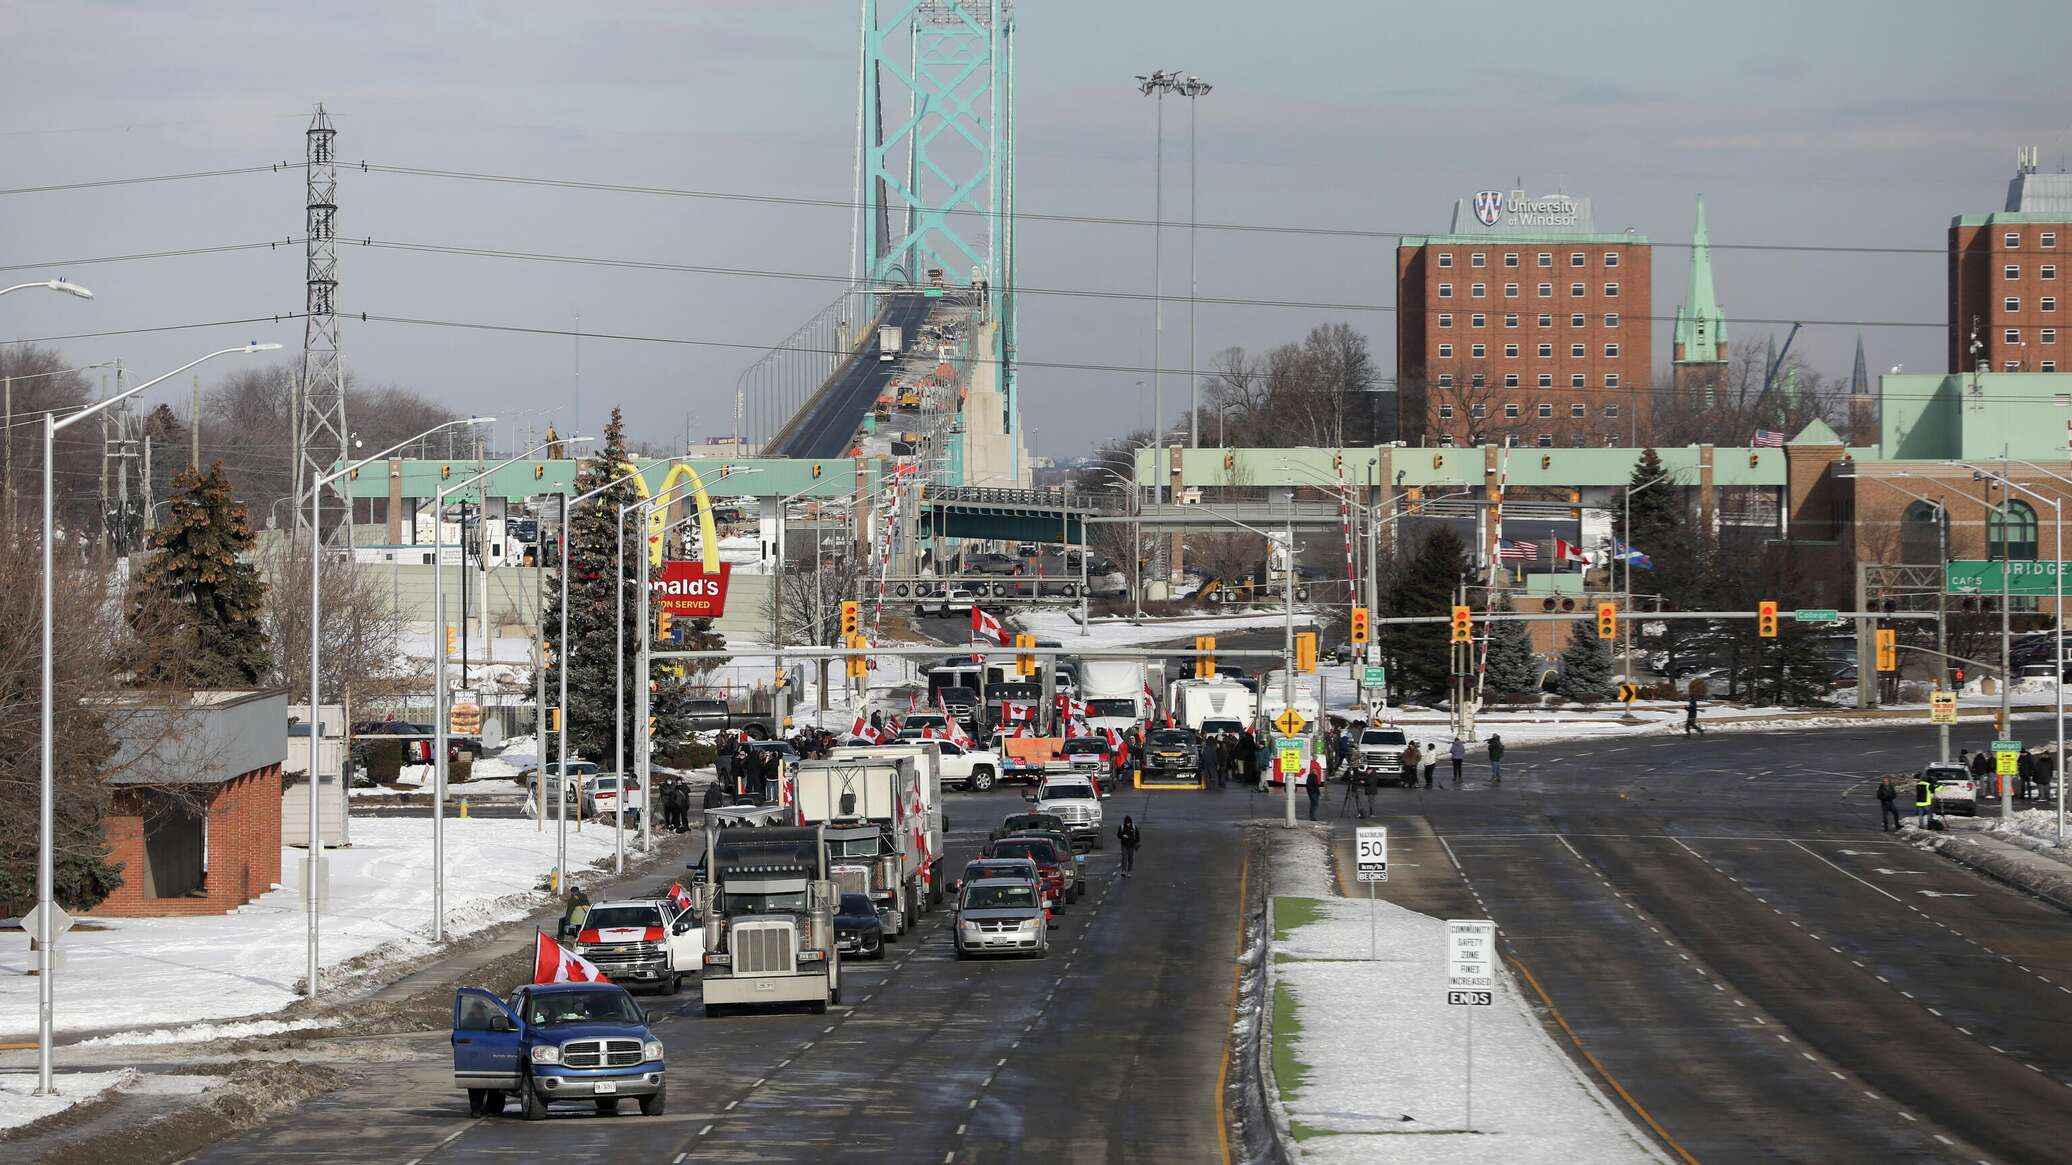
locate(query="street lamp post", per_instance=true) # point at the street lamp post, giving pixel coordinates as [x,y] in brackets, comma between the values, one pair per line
[46,830]
[439,716]
[1156,86]
[2058,668]
[66,286]
[1192,88]
[1626,557]
[316,622]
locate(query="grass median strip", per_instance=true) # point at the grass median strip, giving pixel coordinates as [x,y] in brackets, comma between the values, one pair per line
[1289,1073]
[1291,913]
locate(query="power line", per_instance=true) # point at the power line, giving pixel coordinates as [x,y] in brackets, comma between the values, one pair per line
[273,167]
[1096,220]
[159,328]
[63,264]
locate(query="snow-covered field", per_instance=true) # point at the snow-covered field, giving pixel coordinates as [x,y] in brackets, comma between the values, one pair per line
[19,1105]
[147,972]
[1386,1083]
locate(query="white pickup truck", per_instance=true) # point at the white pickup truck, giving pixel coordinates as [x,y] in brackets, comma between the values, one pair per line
[643,940]
[1077,802]
[1380,751]
[976,769]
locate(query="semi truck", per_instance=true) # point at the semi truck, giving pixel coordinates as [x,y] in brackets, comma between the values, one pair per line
[1114,690]
[1193,702]
[881,839]
[890,340]
[769,919]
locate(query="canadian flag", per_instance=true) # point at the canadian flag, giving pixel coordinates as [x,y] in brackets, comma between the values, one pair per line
[1150,702]
[1013,712]
[679,895]
[551,963]
[984,626]
[1567,552]
[956,734]
[862,728]
[1075,727]
[1116,746]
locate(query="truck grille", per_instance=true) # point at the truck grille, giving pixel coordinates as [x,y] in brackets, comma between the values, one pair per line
[1072,814]
[762,949]
[600,1053]
[620,954]
[998,926]
[852,879]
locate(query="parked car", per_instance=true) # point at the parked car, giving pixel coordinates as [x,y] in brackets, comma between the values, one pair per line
[601,795]
[1000,916]
[1026,550]
[990,564]
[1955,790]
[859,933]
[956,601]
[979,868]
[1016,822]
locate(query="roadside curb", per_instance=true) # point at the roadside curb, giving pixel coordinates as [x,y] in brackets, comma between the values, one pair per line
[1258,1009]
[2046,877]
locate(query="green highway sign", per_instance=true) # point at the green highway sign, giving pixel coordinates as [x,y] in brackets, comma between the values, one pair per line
[2007,746]
[1374,677]
[1816,615]
[1977,577]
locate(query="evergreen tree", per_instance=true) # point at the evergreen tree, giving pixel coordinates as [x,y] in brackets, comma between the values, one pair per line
[1656,510]
[1427,586]
[1587,666]
[593,627]
[197,587]
[1513,667]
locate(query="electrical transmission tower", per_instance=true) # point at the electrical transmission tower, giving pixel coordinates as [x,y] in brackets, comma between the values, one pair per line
[321,436]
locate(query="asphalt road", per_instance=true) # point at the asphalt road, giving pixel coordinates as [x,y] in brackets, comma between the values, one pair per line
[833,417]
[1109,1048]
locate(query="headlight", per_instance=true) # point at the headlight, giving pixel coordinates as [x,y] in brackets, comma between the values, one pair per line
[652,1049]
[967,926]
[1031,923]
[545,1054]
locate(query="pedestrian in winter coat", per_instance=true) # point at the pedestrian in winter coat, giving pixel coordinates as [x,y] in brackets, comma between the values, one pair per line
[1211,762]
[1248,756]
[1981,763]
[1496,759]
[1313,785]
[2025,772]
[1431,761]
[1457,753]
[1888,805]
[1262,763]
[1411,758]
[1924,802]
[715,794]
[1131,838]
[1691,717]
[1370,783]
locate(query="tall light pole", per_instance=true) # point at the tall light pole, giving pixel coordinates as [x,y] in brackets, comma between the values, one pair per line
[46,829]
[65,286]
[1156,86]
[2058,668]
[439,714]
[1626,557]
[316,622]
[1942,550]
[1192,89]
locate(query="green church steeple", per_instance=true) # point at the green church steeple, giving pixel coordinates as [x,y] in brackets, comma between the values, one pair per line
[1701,329]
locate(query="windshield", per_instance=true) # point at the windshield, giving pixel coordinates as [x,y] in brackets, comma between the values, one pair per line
[780,902]
[858,904]
[1013,869]
[1085,744]
[1172,738]
[1125,708]
[999,897]
[546,1009]
[1381,736]
[855,847]
[1039,852]
[609,917]
[1067,791]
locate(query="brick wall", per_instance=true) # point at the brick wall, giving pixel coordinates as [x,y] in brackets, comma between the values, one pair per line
[244,849]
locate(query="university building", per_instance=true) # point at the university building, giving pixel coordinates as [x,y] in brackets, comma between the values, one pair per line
[2008,278]
[1523,326]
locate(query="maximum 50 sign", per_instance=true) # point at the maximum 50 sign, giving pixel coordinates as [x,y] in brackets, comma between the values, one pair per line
[1372,855]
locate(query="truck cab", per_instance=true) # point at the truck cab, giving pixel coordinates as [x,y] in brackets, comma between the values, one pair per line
[1076,801]
[769,919]
[555,1043]
[643,940]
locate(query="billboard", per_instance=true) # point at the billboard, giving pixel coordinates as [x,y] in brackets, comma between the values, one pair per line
[684,590]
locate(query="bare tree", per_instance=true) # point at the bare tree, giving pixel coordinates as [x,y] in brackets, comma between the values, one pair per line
[362,629]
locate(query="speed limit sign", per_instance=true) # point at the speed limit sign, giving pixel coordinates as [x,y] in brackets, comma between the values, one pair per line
[1371,854]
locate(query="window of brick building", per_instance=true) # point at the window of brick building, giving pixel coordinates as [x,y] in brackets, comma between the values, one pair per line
[2048,336]
[2047,303]
[1611,380]
[1510,380]
[1575,351]
[1611,351]
[2049,366]
[2011,240]
[1545,410]
[1546,258]
[1510,291]
[1446,380]
[1546,380]
[1544,440]
[2011,336]
[2011,272]
[1575,291]
[1611,291]
[1445,319]
[1575,440]
[1445,412]
[1611,409]
[1611,319]
[1445,260]
[2011,303]
[1511,410]
[2047,271]
[1478,259]
[1510,258]
[1478,320]
[1575,410]
[1576,320]
[1511,319]
[1478,351]
[1446,441]
[1511,350]
[1575,380]
[1575,259]
[1546,349]
[1545,290]
[1478,290]
[1611,258]
[1478,380]
[1445,350]
[2047,239]
[1545,320]
[1480,411]
[1446,291]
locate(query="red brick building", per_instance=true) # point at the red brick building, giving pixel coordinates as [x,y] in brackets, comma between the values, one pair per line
[1521,336]
[195,821]
[2009,279]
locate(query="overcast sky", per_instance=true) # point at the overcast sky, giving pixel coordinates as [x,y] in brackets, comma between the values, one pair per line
[1842,124]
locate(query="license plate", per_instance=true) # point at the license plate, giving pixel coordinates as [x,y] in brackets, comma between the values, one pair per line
[603,1087]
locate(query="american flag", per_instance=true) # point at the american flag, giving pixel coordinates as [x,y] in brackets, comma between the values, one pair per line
[1518,551]
[1768,439]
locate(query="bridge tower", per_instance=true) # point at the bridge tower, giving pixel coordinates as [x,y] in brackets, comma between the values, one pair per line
[935,162]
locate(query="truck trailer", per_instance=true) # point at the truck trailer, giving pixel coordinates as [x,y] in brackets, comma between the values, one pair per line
[876,823]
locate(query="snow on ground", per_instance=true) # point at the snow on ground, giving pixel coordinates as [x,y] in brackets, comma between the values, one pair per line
[198,1032]
[1386,1083]
[19,1105]
[137,972]
[1058,623]
[2036,829]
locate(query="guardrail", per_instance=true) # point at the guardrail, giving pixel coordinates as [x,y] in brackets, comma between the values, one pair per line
[1045,498]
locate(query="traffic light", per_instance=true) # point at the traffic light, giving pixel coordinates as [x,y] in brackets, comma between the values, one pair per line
[553,719]
[1415,496]
[1766,619]
[816,469]
[1338,462]
[445,472]
[856,665]
[1463,625]
[662,622]
[852,618]
[1888,649]
[1306,651]
[1359,629]
[1205,664]
[1024,665]
[452,641]
[1607,620]
[1229,460]
[539,473]
[1957,674]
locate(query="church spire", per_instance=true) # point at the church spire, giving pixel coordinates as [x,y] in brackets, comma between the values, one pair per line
[1701,329]
[1860,376]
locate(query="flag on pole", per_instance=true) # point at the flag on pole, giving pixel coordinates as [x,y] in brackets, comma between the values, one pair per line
[1566,552]
[1517,551]
[1624,553]
[1768,439]
[984,626]
[552,963]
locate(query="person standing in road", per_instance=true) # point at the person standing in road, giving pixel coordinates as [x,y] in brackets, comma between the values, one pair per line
[1458,753]
[1431,761]
[1888,805]
[1411,758]
[1313,785]
[1371,779]
[2025,772]
[715,794]
[1263,761]
[1981,764]
[1211,762]
[1496,759]
[1691,717]
[1130,838]
[1248,756]
[1924,802]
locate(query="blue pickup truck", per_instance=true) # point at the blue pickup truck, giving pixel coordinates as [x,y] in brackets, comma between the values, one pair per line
[550,1042]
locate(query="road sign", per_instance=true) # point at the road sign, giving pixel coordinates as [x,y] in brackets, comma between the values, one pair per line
[2007,746]
[1942,707]
[1371,852]
[1290,757]
[1374,677]
[60,922]
[1290,722]
[1816,615]
[1470,998]
[2007,764]
[1628,693]
[1978,577]
[1470,954]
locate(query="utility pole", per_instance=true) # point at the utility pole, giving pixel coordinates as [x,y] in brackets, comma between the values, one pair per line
[322,437]
[194,429]
[1193,88]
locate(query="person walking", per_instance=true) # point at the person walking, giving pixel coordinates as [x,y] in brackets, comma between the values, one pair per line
[1431,761]
[1371,780]
[1211,762]
[1888,805]
[1131,838]
[1248,756]
[1457,753]
[1313,785]
[1691,717]
[2025,773]
[1924,802]
[1263,762]
[1411,758]
[1496,759]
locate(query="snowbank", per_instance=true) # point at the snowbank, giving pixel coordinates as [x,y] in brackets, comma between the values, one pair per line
[138,972]
[1362,1083]
[19,1105]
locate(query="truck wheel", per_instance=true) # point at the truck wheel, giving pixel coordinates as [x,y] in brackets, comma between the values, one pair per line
[535,1104]
[819,1007]
[981,779]
[657,1104]
[670,982]
[607,1104]
[715,1010]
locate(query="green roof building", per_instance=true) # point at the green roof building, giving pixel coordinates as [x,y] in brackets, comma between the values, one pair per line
[1699,343]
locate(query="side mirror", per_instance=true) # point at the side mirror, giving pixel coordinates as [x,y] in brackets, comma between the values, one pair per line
[683,925]
[501,1023]
[1030,797]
